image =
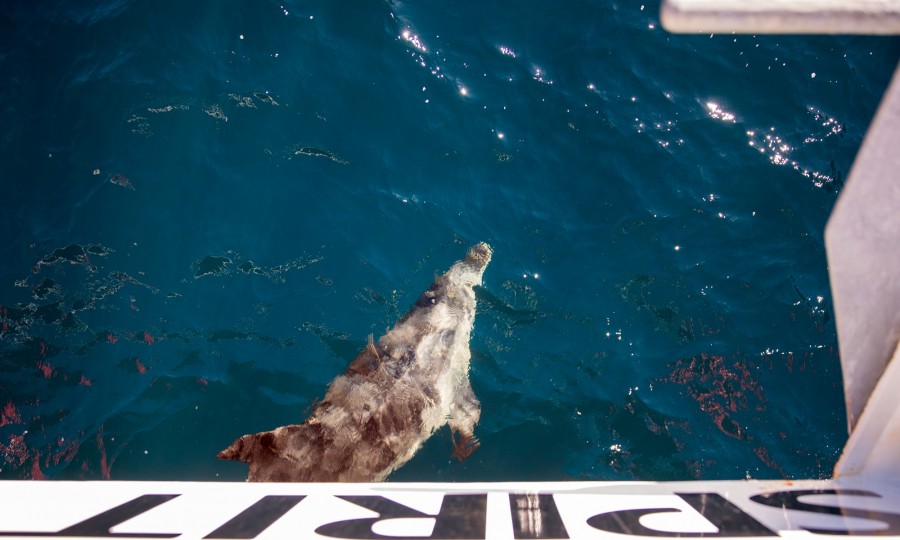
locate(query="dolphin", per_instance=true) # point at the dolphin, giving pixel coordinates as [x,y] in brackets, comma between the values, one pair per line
[392,397]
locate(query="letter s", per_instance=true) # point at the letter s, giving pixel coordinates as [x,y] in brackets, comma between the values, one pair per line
[790,500]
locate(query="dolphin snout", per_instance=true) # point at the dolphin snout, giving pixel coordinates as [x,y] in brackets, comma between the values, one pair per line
[479,255]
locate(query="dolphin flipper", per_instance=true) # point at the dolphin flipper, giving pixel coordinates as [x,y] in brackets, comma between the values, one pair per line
[465,411]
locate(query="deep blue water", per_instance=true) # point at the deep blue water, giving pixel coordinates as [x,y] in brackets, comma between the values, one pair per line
[207,207]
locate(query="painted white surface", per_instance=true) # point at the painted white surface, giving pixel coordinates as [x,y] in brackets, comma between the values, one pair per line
[874,445]
[782,16]
[198,510]
[863,245]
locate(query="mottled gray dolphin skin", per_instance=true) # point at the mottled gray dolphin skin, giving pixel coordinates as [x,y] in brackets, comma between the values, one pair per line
[396,393]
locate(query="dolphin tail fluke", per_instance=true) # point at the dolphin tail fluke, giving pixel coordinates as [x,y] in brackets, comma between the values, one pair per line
[243,448]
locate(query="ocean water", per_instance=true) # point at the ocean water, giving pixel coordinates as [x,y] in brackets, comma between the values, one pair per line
[206,207]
